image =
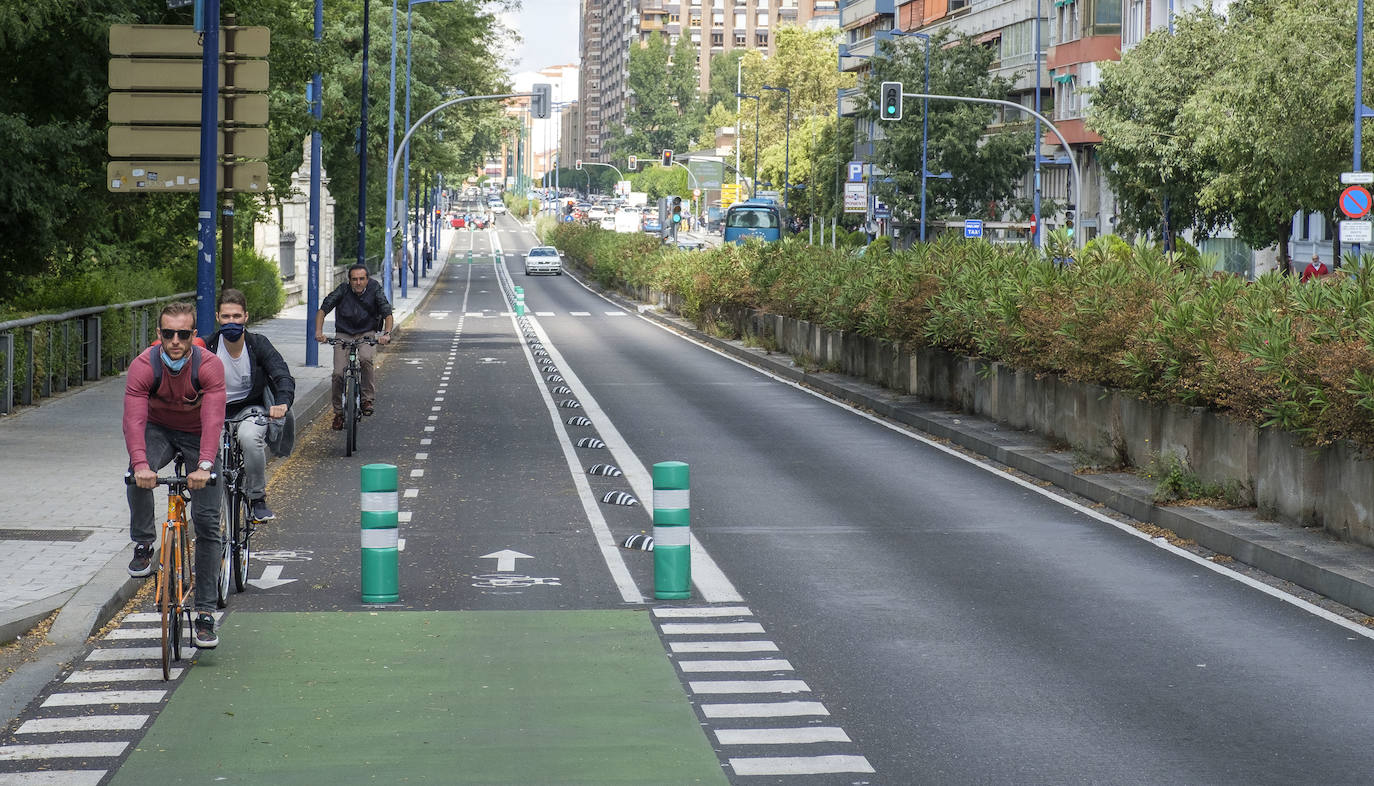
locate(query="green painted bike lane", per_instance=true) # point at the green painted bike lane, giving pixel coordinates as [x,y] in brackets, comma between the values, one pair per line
[489,697]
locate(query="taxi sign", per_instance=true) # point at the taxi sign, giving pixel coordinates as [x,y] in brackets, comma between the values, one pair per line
[973,228]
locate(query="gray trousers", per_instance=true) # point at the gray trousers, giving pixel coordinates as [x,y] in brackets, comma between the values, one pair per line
[162,445]
[366,354]
[252,440]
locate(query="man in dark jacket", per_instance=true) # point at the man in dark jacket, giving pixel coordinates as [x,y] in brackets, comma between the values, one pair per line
[359,307]
[252,368]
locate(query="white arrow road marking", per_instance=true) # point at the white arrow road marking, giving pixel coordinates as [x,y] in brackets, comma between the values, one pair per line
[271,577]
[505,559]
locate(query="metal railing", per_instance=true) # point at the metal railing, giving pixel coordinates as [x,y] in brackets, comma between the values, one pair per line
[56,351]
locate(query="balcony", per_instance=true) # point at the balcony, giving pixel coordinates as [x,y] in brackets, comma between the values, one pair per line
[858,54]
[852,100]
[856,12]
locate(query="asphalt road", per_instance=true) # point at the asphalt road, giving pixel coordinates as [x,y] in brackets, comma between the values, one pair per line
[940,620]
[961,627]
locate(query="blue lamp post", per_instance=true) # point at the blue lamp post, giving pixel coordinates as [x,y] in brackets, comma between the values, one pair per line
[405,182]
[787,144]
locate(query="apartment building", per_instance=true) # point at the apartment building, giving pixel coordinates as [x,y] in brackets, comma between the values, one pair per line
[610,27]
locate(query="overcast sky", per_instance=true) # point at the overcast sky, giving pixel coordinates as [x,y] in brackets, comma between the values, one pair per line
[549,29]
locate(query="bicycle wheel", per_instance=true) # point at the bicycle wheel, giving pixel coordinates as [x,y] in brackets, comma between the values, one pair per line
[167,609]
[350,415]
[184,587]
[225,514]
[242,530]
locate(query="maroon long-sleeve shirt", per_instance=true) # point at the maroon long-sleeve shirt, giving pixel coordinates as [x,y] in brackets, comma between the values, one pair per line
[175,406]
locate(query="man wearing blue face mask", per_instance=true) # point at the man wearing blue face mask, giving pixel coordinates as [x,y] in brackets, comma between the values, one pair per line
[253,368]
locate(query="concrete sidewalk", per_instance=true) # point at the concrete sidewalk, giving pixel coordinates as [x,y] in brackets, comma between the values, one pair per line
[64,530]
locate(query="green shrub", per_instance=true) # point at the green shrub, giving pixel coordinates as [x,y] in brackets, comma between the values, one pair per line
[260,280]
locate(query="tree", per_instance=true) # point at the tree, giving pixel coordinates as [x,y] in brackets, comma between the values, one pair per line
[987,166]
[652,118]
[724,69]
[1277,115]
[1149,148]
[683,81]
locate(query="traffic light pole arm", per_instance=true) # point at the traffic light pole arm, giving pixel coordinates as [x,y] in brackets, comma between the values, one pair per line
[1073,162]
[618,173]
[690,177]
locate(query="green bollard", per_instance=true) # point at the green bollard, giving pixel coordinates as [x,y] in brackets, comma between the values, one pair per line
[380,536]
[672,531]
[469,256]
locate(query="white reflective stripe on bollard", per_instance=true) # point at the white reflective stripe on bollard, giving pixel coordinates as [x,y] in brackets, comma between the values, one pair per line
[672,536]
[379,501]
[388,538]
[671,499]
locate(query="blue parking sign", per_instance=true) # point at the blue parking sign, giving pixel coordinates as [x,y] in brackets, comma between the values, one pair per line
[856,171]
[973,228]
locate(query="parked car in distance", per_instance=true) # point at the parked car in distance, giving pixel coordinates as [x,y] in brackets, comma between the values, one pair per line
[543,259]
[496,206]
[652,225]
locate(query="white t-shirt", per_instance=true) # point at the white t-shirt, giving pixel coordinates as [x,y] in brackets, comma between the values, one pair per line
[238,373]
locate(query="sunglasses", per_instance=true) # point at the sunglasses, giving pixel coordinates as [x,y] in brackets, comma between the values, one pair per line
[168,334]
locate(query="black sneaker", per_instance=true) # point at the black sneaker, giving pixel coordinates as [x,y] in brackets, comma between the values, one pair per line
[205,637]
[259,510]
[142,563]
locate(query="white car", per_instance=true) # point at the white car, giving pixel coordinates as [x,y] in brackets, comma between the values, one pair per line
[543,259]
[496,206]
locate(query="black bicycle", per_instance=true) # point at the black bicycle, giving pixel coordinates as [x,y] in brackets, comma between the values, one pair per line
[236,521]
[353,390]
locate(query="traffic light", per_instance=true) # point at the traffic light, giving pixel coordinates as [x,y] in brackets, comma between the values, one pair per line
[634,163]
[577,164]
[668,160]
[677,200]
[891,94]
[541,103]
[1068,219]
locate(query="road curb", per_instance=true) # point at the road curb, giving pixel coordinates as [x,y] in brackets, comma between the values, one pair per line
[1338,570]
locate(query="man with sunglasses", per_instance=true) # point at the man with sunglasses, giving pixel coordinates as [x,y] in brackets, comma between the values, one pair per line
[360,308]
[253,370]
[176,406]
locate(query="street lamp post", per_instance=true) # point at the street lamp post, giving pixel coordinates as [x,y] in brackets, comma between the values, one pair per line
[362,138]
[754,186]
[787,144]
[405,182]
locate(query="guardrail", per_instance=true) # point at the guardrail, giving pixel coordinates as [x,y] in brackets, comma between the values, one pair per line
[57,351]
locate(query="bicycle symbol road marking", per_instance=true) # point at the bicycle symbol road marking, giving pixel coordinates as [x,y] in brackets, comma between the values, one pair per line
[284,555]
[508,580]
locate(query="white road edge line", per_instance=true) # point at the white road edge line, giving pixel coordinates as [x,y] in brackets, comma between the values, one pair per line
[610,550]
[1222,570]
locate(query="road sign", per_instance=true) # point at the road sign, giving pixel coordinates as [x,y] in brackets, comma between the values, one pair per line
[249,109]
[856,197]
[881,210]
[1357,231]
[147,176]
[973,228]
[1351,178]
[181,141]
[184,41]
[1355,202]
[151,73]
[856,171]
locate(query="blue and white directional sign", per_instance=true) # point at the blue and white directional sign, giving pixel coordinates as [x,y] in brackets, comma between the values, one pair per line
[881,210]
[856,171]
[973,228]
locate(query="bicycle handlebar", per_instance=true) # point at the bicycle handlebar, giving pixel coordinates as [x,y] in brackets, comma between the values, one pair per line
[260,418]
[171,480]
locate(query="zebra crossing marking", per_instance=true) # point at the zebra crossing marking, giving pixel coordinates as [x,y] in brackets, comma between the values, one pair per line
[767,709]
[84,698]
[804,735]
[82,723]
[800,765]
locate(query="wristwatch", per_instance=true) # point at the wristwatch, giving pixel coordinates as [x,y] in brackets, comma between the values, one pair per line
[206,466]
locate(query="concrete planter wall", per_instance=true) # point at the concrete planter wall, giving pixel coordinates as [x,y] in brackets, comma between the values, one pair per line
[1330,487]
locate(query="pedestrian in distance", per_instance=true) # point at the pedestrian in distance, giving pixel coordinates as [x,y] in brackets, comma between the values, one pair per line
[361,309]
[255,377]
[1315,269]
[174,402]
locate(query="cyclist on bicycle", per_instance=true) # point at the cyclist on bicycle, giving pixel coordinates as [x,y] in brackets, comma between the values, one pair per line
[174,403]
[362,307]
[252,367]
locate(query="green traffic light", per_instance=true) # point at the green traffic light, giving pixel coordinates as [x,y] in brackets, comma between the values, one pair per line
[891,110]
